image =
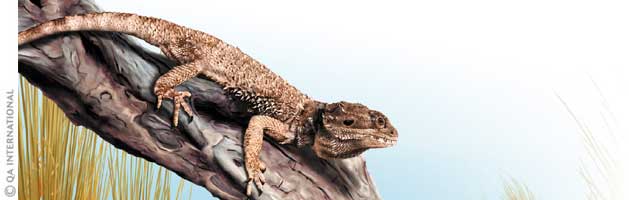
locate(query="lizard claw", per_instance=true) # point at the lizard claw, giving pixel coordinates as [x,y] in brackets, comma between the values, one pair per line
[159,101]
[178,98]
[256,178]
[262,167]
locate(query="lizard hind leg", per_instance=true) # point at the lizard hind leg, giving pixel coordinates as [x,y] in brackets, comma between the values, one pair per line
[165,88]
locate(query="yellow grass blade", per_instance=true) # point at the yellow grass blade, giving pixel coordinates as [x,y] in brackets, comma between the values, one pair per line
[514,190]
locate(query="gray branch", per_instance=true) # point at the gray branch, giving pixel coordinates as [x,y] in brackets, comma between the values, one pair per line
[103,81]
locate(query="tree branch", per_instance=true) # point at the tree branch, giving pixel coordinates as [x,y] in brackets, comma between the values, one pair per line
[103,81]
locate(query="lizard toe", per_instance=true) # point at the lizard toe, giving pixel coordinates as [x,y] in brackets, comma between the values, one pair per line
[249,187]
[262,166]
[288,140]
[255,182]
[180,103]
[178,100]
[256,179]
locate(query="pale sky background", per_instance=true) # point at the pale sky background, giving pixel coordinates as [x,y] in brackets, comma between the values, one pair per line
[471,85]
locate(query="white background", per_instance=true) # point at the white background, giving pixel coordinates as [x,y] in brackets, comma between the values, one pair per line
[472,86]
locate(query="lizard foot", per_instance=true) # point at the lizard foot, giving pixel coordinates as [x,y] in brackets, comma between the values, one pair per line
[179,102]
[255,176]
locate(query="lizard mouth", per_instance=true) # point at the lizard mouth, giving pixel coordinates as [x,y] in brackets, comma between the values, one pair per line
[385,141]
[329,145]
[370,141]
[378,142]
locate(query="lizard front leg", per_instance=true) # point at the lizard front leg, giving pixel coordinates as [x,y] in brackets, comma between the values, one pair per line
[252,145]
[165,87]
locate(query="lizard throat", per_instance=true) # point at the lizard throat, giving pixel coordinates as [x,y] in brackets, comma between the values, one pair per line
[308,123]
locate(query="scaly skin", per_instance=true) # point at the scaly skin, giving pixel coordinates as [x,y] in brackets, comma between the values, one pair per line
[336,130]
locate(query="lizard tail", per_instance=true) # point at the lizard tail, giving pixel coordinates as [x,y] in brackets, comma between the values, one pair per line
[152,30]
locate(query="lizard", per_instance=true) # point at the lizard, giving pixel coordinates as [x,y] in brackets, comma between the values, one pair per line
[278,110]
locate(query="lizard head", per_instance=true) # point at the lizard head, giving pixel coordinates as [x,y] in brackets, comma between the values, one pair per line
[348,129]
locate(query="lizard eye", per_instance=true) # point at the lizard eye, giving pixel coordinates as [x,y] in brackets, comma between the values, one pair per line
[380,121]
[348,122]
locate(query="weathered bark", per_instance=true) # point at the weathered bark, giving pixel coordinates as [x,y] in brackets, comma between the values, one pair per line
[103,81]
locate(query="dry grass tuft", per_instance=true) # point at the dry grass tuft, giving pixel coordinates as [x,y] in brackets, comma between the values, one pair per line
[59,160]
[600,168]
